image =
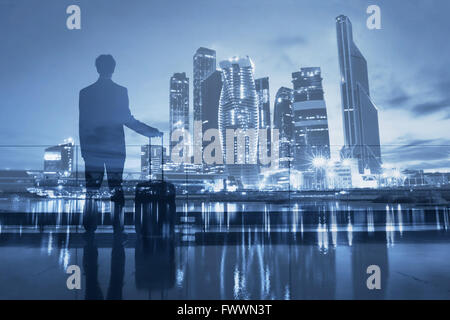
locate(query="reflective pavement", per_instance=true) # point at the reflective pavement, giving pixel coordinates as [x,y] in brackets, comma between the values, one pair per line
[213,250]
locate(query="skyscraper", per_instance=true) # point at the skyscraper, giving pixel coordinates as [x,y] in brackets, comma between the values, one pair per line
[262,91]
[211,89]
[179,104]
[283,120]
[204,64]
[238,109]
[311,136]
[360,115]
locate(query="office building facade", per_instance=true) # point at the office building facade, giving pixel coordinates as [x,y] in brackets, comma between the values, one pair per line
[311,136]
[179,104]
[152,163]
[263,94]
[204,62]
[238,110]
[211,89]
[359,113]
[283,120]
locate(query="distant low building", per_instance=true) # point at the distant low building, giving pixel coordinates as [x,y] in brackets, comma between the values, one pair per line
[58,160]
[155,159]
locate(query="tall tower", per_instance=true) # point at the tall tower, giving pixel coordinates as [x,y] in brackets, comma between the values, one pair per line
[204,64]
[179,104]
[211,89]
[262,91]
[359,113]
[311,136]
[238,109]
[283,120]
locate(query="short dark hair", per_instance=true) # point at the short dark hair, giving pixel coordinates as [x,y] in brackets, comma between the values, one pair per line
[105,64]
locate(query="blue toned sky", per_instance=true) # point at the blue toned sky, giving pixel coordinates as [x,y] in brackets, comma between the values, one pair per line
[43,65]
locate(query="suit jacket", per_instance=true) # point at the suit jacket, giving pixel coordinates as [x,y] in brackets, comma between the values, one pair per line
[104,110]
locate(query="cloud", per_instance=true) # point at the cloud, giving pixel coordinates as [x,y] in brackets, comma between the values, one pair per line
[398,100]
[427,93]
[429,165]
[289,41]
[418,153]
[423,109]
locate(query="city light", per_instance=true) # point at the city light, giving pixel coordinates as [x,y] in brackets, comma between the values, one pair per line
[319,162]
[346,162]
[52,156]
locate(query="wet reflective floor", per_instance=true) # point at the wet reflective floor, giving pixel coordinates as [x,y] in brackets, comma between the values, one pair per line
[205,250]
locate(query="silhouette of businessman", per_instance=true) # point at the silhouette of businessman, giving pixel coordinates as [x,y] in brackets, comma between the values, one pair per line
[104,110]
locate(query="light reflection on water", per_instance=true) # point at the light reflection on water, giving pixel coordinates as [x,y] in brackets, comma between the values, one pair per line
[213,250]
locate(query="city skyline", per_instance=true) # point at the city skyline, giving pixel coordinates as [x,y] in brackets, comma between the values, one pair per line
[402,141]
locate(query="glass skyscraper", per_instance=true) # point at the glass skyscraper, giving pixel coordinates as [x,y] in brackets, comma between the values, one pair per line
[360,115]
[311,135]
[262,91]
[211,89]
[283,120]
[179,104]
[238,109]
[204,64]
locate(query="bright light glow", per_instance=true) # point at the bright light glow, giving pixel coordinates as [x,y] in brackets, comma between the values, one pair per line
[386,166]
[69,140]
[396,174]
[319,162]
[346,162]
[52,156]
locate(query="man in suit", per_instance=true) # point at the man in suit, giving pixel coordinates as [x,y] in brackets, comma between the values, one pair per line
[104,110]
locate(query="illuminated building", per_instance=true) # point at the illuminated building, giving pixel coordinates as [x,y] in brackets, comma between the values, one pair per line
[155,159]
[179,104]
[238,110]
[204,64]
[360,115]
[283,120]
[262,91]
[311,135]
[58,159]
[211,89]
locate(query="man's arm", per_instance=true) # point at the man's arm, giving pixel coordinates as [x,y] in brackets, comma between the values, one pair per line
[137,125]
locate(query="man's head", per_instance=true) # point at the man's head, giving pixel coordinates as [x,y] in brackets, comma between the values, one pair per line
[105,64]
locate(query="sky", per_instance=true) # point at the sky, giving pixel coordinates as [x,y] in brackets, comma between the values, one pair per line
[43,65]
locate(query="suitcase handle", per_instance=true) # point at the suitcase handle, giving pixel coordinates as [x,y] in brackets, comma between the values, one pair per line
[150,157]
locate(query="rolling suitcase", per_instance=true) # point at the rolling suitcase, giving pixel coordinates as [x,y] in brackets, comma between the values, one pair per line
[155,190]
